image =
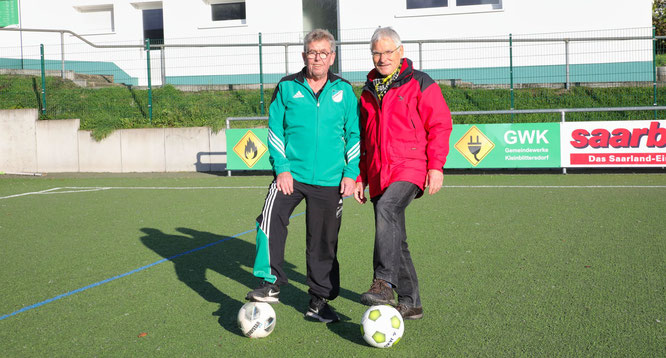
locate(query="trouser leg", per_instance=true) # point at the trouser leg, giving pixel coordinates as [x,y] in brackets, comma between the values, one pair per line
[391,259]
[272,234]
[323,218]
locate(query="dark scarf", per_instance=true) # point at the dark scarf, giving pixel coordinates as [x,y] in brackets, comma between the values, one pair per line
[382,84]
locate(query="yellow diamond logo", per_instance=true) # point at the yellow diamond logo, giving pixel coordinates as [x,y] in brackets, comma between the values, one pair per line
[474,146]
[250,149]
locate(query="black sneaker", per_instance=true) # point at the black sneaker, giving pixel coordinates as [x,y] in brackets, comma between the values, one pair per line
[266,292]
[380,293]
[320,310]
[409,312]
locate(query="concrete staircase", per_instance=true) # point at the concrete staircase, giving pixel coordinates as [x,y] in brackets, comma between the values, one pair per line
[95,81]
[80,79]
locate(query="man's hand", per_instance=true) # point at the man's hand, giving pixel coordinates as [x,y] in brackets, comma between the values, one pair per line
[359,193]
[285,183]
[434,181]
[347,186]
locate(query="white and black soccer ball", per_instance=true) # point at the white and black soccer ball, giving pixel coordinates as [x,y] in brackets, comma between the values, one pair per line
[382,326]
[256,319]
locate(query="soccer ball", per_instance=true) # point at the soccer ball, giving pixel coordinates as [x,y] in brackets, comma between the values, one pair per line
[256,319]
[382,326]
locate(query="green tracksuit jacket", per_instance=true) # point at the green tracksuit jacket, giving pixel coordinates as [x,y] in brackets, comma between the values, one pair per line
[316,139]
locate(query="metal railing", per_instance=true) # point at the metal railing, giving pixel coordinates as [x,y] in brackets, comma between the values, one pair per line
[561,111]
[62,43]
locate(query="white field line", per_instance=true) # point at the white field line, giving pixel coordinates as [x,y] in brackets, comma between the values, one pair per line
[82,189]
[556,186]
[32,193]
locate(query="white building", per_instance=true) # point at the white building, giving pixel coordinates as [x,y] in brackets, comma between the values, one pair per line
[192,31]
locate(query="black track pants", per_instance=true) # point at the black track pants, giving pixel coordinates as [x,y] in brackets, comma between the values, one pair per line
[323,218]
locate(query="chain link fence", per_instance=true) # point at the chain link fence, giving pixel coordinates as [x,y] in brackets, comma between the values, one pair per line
[203,80]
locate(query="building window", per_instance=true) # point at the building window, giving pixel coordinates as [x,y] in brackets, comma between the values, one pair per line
[95,19]
[228,11]
[411,8]
[153,26]
[477,2]
[423,4]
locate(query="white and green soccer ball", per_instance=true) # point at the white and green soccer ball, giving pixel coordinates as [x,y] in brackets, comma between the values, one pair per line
[256,319]
[382,326]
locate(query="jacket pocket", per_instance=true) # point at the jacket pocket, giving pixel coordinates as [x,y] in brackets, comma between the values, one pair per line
[414,120]
[411,150]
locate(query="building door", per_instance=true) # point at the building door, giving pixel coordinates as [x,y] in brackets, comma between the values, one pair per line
[322,14]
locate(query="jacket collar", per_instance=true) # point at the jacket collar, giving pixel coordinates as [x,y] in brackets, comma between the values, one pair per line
[330,76]
[406,72]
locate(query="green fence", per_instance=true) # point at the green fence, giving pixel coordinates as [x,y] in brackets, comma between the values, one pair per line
[200,82]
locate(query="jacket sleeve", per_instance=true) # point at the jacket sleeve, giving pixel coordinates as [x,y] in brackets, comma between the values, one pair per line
[437,122]
[276,141]
[352,137]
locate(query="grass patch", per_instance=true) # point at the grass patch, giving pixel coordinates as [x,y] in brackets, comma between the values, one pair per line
[105,110]
[661,60]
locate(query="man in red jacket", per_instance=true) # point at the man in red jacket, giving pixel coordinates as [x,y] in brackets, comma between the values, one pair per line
[405,130]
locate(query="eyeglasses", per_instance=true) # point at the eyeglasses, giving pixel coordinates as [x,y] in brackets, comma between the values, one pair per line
[312,54]
[385,53]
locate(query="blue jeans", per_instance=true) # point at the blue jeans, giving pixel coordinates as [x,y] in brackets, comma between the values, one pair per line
[391,260]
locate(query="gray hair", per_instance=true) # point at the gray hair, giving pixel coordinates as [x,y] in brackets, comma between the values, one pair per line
[318,35]
[385,33]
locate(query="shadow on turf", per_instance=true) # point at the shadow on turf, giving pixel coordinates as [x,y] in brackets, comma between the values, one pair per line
[228,256]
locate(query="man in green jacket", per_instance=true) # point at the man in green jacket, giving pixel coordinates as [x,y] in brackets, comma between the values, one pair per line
[313,141]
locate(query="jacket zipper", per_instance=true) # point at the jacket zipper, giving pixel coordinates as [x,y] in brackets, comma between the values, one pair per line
[379,116]
[314,172]
[316,140]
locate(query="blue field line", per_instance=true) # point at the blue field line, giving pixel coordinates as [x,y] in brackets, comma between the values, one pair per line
[36,305]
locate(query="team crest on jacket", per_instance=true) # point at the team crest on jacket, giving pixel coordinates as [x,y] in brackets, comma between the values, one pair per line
[337,96]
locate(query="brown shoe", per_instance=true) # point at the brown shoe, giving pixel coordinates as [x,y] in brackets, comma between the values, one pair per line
[410,312]
[380,293]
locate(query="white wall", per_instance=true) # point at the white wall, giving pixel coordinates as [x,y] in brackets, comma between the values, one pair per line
[516,16]
[187,19]
[184,22]
[18,143]
[282,21]
[58,146]
[277,21]
[521,18]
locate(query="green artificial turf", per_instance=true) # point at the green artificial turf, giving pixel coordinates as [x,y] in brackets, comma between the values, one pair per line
[509,265]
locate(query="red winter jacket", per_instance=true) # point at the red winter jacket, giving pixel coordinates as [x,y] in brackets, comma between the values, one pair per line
[407,134]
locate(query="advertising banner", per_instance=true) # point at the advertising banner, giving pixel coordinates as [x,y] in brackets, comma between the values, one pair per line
[614,144]
[9,13]
[523,145]
[247,149]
